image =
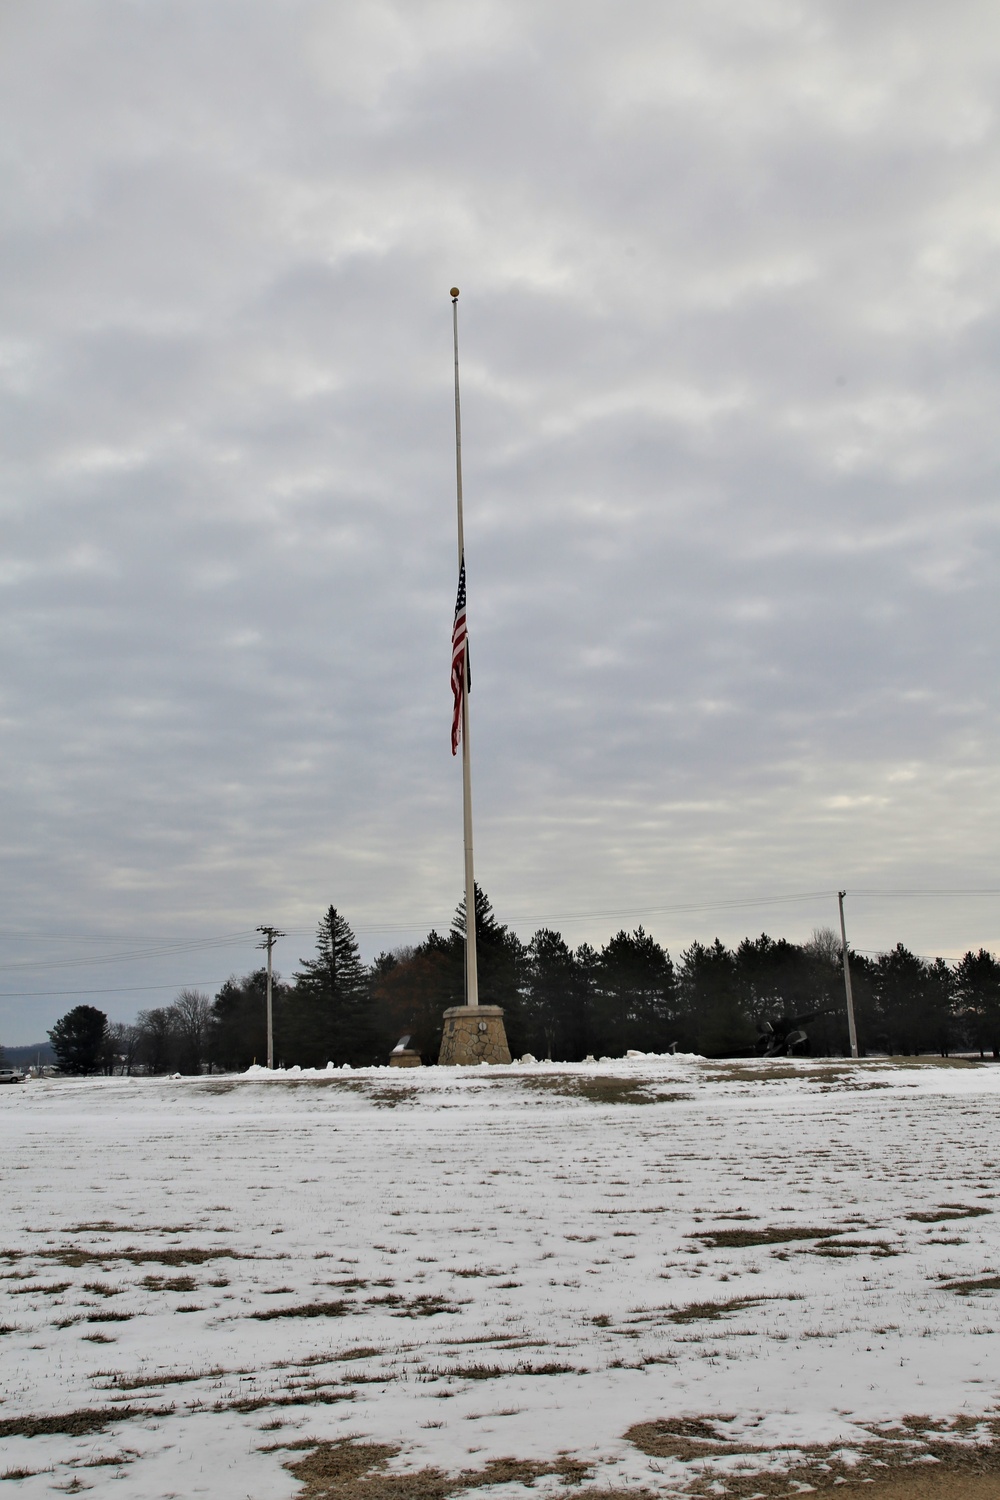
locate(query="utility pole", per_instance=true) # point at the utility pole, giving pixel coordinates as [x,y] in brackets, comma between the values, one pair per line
[271,935]
[852,1029]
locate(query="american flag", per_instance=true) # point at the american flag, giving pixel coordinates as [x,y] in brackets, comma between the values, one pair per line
[459,649]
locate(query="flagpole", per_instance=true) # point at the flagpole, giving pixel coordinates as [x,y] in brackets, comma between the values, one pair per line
[471,967]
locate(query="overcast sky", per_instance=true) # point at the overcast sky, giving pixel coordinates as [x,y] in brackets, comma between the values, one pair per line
[730,322]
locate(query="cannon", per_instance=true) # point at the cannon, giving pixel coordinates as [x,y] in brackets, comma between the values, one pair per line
[780,1037]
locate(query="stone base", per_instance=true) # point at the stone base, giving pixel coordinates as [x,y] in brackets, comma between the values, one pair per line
[405,1059]
[473,1034]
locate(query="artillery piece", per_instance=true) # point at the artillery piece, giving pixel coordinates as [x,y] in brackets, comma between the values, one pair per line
[779,1038]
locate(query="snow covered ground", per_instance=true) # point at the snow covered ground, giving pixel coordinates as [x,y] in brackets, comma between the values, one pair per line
[658,1274]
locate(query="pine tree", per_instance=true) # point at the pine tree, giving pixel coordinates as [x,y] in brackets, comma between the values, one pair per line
[977,999]
[330,1016]
[501,960]
[556,1009]
[237,1034]
[635,1004]
[716,1017]
[78,1040]
[911,1008]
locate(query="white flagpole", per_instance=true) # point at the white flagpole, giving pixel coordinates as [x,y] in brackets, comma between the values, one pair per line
[471,968]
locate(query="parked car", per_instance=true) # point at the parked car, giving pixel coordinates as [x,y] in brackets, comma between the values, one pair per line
[11,1075]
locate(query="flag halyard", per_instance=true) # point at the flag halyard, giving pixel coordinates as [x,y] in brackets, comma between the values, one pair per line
[459,657]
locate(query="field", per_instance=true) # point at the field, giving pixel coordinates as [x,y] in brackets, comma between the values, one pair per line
[661,1276]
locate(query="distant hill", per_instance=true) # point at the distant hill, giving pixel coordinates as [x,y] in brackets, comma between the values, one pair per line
[25,1057]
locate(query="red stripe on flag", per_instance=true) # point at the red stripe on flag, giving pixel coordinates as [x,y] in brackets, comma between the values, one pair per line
[459,639]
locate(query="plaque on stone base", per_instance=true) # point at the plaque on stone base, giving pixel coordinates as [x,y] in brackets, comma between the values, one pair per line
[473,1034]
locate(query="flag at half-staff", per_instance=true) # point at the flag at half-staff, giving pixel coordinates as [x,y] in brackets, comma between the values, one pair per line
[472,1033]
[460,681]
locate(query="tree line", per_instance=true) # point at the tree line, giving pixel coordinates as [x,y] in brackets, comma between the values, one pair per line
[559,1002]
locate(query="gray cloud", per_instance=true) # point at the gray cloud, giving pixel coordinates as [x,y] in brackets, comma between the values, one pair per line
[730,330]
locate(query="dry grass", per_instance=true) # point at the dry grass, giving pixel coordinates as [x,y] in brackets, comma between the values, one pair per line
[106,1226]
[948,1211]
[427,1306]
[109,1460]
[681,1437]
[37,1288]
[500,1372]
[169,1283]
[923,1062]
[599,1089]
[698,1312]
[321,1397]
[970,1288]
[305,1310]
[778,1234]
[749,1071]
[389,1095]
[835,1248]
[75,1257]
[143,1382]
[77,1423]
[349,1470]
[894,1457]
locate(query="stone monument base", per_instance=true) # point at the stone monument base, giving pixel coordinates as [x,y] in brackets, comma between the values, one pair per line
[473,1034]
[405,1057]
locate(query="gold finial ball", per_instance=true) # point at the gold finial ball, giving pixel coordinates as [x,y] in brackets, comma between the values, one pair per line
[454,291]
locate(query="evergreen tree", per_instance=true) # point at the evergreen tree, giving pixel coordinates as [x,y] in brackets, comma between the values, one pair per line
[976,983]
[555,1011]
[78,1040]
[501,960]
[941,1031]
[635,1004]
[774,978]
[587,962]
[911,1002]
[330,1012]
[717,1019]
[237,1030]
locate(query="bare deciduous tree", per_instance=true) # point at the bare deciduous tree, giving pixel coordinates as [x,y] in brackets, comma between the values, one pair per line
[191,1014]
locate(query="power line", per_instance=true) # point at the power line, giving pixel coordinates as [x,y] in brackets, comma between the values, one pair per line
[654,911]
[984,891]
[139,955]
[167,949]
[125,989]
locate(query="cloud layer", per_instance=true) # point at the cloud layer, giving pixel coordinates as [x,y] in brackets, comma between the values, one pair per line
[729,331]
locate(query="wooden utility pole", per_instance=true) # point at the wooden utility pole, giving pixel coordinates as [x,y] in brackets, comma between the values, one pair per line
[851,1028]
[271,935]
